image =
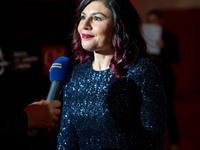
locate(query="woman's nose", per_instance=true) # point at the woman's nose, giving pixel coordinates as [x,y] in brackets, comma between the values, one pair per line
[87,25]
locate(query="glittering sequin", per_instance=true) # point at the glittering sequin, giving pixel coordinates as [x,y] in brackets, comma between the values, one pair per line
[101,112]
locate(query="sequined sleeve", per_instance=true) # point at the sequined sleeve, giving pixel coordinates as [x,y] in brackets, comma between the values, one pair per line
[67,137]
[153,108]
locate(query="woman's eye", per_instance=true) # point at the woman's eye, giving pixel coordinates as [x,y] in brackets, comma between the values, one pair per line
[82,18]
[97,18]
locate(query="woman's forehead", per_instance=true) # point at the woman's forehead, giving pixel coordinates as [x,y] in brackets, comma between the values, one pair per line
[96,6]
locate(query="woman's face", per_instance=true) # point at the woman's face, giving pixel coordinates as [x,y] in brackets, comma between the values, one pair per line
[96,27]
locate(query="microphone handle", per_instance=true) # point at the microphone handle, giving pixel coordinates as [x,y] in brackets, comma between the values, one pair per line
[54,90]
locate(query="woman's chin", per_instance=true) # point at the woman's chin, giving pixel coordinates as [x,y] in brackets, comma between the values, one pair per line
[88,48]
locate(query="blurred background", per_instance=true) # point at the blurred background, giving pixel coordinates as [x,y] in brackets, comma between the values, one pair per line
[182,17]
[33,33]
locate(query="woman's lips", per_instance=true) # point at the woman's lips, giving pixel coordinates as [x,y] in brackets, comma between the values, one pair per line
[87,36]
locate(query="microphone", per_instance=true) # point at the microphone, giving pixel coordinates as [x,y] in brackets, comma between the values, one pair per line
[60,74]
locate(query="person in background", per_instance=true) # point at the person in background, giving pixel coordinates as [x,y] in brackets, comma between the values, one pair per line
[115,98]
[169,54]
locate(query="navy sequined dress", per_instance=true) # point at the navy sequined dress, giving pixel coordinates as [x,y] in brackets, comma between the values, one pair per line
[101,112]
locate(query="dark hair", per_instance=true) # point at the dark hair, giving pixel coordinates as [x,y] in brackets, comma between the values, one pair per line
[156,13]
[128,43]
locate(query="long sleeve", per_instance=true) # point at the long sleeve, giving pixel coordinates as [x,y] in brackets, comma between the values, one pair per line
[67,137]
[154,102]
[153,108]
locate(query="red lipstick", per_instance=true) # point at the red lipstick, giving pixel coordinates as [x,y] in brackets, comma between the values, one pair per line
[86,36]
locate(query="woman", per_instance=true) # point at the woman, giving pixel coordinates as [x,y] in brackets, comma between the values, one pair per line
[115,99]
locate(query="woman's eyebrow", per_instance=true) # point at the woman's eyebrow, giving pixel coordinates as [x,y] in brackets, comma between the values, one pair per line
[99,13]
[83,13]
[96,13]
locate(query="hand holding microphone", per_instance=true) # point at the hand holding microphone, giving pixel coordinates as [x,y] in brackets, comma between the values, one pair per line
[45,113]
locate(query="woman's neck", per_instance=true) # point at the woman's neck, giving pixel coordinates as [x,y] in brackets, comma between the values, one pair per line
[102,60]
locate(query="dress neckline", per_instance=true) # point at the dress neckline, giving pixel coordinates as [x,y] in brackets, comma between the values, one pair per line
[91,68]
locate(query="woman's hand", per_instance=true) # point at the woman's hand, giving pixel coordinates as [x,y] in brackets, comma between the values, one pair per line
[43,113]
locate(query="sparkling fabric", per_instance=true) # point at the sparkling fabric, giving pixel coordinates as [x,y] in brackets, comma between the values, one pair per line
[101,112]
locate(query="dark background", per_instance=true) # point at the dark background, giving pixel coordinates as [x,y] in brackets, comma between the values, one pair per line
[29,26]
[185,24]
[26,27]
